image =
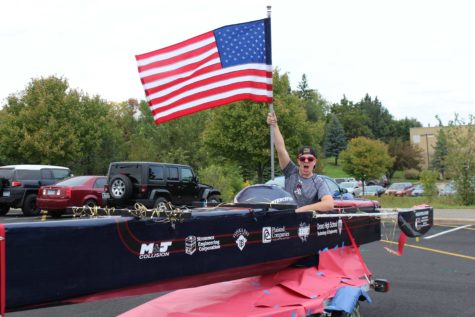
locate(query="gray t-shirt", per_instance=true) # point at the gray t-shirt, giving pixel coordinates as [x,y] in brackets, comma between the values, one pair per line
[305,191]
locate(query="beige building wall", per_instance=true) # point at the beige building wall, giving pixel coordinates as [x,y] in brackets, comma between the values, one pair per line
[425,139]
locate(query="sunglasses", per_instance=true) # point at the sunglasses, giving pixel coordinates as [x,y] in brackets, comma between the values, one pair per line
[306,159]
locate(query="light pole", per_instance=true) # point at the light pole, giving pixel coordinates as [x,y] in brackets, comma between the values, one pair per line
[427,146]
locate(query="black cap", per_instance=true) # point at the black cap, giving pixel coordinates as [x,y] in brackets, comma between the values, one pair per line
[304,150]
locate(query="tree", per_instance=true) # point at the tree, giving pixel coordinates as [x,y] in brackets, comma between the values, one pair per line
[406,156]
[48,123]
[355,122]
[177,141]
[239,132]
[440,154]
[365,158]
[428,180]
[379,119]
[314,104]
[400,128]
[335,140]
[460,160]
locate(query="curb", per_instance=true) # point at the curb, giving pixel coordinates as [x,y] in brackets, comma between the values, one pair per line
[452,221]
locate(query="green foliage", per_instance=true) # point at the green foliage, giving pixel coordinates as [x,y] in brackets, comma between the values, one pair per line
[366,159]
[48,123]
[428,180]
[225,177]
[443,202]
[335,140]
[239,132]
[406,156]
[440,153]
[314,104]
[411,173]
[461,158]
[379,119]
[400,128]
[354,121]
[177,141]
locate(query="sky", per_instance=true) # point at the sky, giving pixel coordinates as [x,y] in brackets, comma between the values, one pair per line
[416,56]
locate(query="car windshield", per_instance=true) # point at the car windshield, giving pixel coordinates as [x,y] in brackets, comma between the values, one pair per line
[398,186]
[349,184]
[371,189]
[74,181]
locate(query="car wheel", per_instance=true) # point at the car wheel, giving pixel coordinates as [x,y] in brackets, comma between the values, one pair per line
[4,209]
[120,187]
[91,203]
[29,206]
[214,199]
[56,213]
[158,201]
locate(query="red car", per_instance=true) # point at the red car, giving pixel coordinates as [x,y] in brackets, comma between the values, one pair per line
[74,191]
[400,189]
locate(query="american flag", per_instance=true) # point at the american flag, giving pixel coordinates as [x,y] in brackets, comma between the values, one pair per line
[213,69]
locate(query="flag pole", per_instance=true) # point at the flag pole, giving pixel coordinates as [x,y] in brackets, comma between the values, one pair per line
[271,109]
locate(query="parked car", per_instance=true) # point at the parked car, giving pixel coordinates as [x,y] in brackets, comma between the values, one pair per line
[400,189]
[382,181]
[448,189]
[342,198]
[350,186]
[418,191]
[151,183]
[19,185]
[371,190]
[75,191]
[340,180]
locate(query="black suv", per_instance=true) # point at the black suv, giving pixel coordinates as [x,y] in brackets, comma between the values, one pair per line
[19,185]
[152,183]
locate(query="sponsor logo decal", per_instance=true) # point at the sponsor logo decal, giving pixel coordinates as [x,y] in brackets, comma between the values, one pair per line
[422,220]
[266,234]
[154,250]
[274,234]
[190,245]
[329,228]
[304,231]
[201,244]
[240,236]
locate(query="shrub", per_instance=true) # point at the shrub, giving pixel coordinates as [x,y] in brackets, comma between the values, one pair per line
[428,179]
[225,177]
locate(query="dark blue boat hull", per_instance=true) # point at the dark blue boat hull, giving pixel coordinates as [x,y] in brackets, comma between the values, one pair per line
[55,261]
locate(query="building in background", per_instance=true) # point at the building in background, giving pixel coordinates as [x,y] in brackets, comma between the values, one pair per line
[425,139]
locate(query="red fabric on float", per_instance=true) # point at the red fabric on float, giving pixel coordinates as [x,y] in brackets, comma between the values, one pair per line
[294,291]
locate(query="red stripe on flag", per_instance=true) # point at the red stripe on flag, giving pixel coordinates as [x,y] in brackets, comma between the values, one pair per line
[174,47]
[217,103]
[178,71]
[211,80]
[178,58]
[211,92]
[178,81]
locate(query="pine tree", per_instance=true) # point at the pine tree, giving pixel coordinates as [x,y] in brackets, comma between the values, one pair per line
[335,140]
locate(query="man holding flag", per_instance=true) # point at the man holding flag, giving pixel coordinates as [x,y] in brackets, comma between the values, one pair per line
[308,189]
